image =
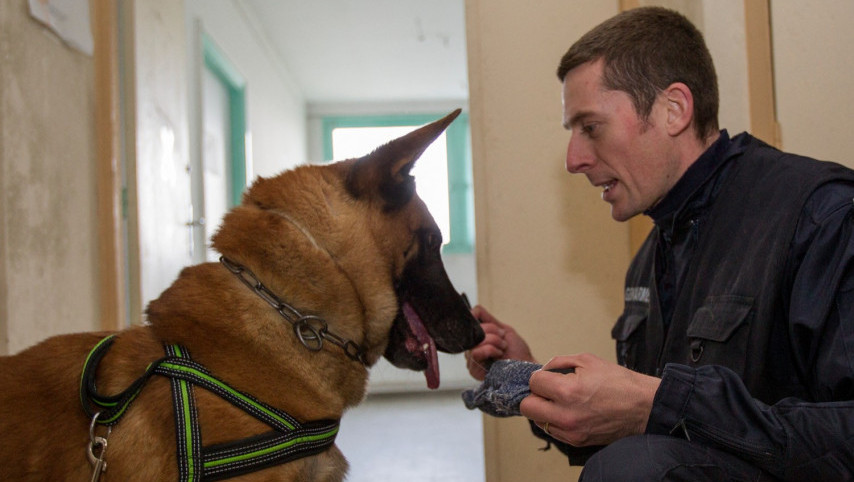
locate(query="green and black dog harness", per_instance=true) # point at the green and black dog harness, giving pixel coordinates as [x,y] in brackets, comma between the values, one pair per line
[288,440]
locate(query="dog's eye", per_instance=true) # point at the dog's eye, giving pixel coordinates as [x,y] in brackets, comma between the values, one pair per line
[434,241]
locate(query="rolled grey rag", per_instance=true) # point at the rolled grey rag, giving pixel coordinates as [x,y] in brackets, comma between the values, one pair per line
[503,389]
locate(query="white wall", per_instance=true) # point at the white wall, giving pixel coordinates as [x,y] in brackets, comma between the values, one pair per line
[274,104]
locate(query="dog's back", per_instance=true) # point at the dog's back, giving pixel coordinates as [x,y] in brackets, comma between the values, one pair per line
[39,404]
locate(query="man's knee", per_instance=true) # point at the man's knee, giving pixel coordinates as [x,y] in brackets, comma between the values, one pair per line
[652,457]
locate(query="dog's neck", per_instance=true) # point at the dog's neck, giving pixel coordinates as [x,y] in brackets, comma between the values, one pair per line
[335,260]
[310,330]
[302,229]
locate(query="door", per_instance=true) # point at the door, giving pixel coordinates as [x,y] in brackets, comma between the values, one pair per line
[216,159]
[220,175]
[160,160]
[186,159]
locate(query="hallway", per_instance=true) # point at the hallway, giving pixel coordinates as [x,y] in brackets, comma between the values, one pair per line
[416,437]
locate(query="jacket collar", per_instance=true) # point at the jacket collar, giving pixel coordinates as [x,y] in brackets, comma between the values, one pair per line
[697,187]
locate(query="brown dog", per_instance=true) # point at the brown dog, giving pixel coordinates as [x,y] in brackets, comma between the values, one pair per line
[245,367]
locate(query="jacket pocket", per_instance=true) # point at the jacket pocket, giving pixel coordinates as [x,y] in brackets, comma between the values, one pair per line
[718,332]
[629,334]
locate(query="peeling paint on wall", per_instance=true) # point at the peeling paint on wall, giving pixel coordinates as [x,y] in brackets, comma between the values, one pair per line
[48,233]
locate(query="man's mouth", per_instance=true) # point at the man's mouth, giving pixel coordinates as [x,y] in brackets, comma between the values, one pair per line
[607,186]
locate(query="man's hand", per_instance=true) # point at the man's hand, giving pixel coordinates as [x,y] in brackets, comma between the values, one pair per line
[598,404]
[501,342]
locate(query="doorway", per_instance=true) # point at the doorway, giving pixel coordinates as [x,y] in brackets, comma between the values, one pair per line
[220,166]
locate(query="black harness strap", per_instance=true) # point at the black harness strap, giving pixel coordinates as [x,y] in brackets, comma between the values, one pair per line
[289,439]
[187,435]
[111,408]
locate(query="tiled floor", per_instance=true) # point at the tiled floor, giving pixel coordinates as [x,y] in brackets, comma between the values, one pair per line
[417,437]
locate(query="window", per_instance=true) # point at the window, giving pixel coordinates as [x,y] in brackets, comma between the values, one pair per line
[443,174]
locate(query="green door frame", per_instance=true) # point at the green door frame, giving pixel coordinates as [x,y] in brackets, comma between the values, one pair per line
[235,84]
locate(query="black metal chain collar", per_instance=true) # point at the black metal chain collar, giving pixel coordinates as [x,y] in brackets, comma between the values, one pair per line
[310,330]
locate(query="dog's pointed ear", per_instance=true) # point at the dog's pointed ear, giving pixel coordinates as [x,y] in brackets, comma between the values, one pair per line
[385,171]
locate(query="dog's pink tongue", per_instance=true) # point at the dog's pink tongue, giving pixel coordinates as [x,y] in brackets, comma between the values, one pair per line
[425,344]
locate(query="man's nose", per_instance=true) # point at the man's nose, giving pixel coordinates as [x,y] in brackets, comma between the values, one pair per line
[579,157]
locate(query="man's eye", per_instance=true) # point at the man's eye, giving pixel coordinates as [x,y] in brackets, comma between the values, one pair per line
[588,129]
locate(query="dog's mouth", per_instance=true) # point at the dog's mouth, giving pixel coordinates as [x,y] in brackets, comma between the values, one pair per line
[414,341]
[420,345]
[432,316]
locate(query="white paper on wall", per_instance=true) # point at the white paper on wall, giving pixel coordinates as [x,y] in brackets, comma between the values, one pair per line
[69,19]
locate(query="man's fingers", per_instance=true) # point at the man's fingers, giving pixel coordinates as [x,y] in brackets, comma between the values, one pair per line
[565,361]
[537,408]
[494,339]
[493,329]
[484,316]
[482,353]
[548,385]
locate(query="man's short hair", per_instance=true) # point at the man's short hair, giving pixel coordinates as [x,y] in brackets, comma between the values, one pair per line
[644,51]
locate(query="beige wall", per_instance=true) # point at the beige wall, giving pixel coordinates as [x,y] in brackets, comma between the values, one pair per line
[813,67]
[48,232]
[550,259]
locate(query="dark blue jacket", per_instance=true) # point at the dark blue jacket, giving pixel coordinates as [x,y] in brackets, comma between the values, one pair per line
[742,301]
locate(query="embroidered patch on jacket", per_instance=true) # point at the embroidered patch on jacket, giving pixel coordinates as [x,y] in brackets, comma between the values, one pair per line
[637,294]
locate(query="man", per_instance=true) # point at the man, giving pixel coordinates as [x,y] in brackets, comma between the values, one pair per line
[736,344]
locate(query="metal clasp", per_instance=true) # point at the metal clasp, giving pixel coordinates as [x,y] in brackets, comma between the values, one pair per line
[97,444]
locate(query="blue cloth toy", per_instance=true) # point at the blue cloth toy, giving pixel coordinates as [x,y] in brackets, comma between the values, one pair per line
[503,389]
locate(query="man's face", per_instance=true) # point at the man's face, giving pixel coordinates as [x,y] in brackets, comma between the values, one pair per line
[632,160]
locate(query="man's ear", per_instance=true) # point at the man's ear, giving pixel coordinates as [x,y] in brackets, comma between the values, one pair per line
[680,108]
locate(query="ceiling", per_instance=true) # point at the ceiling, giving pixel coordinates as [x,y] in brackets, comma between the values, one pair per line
[369,50]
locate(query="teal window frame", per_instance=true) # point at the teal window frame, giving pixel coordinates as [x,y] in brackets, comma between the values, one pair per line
[460,194]
[235,84]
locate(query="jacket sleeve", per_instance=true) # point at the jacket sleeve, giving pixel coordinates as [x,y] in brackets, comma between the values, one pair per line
[792,439]
[576,455]
[806,438]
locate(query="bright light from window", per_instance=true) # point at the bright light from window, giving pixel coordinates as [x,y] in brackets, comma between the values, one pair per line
[430,171]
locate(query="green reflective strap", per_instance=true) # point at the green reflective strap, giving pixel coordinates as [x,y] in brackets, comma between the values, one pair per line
[201,377]
[89,372]
[276,448]
[114,406]
[190,441]
[186,423]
